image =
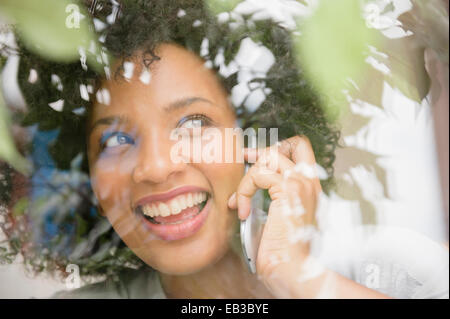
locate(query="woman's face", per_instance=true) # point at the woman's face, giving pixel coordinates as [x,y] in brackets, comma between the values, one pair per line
[172,214]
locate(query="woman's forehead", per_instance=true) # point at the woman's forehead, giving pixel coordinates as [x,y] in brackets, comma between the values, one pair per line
[177,74]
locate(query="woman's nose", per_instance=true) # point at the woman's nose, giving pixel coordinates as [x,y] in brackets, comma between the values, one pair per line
[154,163]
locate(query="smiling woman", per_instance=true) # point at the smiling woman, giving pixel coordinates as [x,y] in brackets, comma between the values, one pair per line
[178,68]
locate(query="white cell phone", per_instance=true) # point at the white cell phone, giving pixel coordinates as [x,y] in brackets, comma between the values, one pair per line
[251,232]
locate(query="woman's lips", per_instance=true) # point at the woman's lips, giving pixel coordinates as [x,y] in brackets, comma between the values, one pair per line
[163,197]
[178,218]
[188,223]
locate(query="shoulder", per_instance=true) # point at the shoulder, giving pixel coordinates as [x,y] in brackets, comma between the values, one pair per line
[132,284]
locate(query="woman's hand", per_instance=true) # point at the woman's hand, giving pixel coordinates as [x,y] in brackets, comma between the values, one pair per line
[281,170]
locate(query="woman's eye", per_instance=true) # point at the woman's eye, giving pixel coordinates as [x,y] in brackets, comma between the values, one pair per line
[115,139]
[194,121]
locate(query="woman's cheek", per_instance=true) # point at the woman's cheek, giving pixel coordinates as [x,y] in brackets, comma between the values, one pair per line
[113,177]
[228,168]
[114,198]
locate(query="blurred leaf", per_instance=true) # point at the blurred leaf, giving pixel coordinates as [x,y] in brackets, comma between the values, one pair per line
[351,191]
[349,156]
[54,29]
[404,58]
[388,8]
[407,65]
[348,189]
[81,228]
[351,123]
[20,207]
[2,61]
[428,20]
[8,151]
[218,6]
[370,88]
[332,47]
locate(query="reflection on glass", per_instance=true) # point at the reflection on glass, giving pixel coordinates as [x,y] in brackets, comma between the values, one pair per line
[132,193]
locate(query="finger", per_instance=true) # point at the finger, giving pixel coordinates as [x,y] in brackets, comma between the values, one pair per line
[296,148]
[256,178]
[272,161]
[304,153]
[275,161]
[279,163]
[232,203]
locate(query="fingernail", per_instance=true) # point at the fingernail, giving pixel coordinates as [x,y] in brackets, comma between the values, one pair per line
[232,199]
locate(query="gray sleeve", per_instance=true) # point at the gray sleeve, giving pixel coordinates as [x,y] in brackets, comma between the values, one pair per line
[102,290]
[395,261]
[131,285]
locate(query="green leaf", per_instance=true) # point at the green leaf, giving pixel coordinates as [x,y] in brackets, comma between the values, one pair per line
[428,20]
[20,207]
[218,6]
[407,65]
[390,7]
[352,192]
[8,151]
[370,88]
[352,123]
[2,61]
[53,29]
[349,156]
[332,48]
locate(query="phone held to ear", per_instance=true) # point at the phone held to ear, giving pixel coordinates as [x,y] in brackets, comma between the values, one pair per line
[251,232]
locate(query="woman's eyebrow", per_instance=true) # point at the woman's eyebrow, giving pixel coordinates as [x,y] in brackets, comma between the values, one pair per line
[108,121]
[184,102]
[176,105]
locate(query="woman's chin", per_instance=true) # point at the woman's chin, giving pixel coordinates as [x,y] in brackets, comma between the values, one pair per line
[190,263]
[193,254]
[175,270]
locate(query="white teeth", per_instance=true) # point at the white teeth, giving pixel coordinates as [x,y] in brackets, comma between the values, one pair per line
[155,210]
[182,202]
[189,200]
[164,209]
[175,206]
